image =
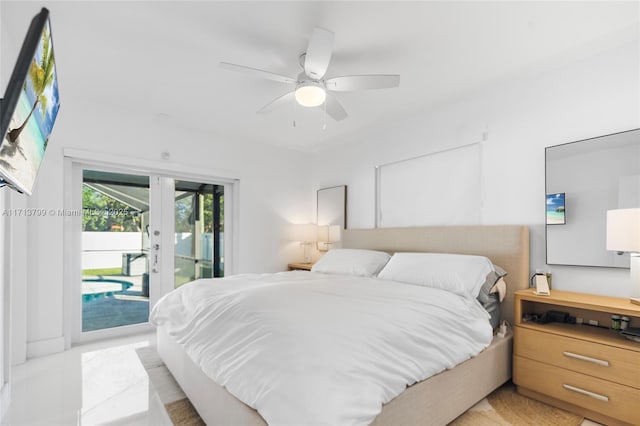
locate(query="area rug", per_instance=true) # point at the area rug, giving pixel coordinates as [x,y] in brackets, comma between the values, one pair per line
[174,400]
[503,407]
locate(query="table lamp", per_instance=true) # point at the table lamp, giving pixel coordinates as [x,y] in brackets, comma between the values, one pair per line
[623,235]
[327,236]
[306,234]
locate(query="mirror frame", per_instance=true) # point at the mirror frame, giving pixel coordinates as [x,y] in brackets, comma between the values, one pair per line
[339,208]
[548,191]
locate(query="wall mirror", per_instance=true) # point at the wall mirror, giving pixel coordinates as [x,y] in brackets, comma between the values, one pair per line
[584,179]
[332,215]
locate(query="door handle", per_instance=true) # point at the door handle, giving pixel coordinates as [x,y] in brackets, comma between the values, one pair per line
[154,267]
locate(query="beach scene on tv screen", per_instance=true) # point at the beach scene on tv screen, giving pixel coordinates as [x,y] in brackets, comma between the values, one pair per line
[26,139]
[555,209]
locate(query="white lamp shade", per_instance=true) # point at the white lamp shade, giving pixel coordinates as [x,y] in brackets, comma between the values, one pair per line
[334,233]
[323,233]
[623,230]
[305,232]
[328,233]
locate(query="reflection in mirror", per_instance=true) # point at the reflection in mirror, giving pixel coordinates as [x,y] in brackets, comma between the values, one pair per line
[595,175]
[332,213]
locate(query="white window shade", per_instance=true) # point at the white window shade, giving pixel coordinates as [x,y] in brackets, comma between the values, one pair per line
[442,188]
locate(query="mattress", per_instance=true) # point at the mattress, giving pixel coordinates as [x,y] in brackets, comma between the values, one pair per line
[309,348]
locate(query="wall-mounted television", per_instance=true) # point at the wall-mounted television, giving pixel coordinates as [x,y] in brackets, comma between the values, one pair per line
[29,107]
[556,214]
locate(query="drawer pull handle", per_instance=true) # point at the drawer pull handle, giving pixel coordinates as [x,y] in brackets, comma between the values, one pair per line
[586,358]
[586,392]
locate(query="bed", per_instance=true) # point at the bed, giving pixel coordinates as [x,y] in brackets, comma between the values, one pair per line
[436,400]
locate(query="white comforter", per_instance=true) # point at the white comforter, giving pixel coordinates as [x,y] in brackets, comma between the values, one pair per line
[314,349]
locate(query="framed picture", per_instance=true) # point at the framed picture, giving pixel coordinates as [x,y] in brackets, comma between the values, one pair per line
[556,209]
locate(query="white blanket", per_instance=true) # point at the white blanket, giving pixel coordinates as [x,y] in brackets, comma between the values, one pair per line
[314,349]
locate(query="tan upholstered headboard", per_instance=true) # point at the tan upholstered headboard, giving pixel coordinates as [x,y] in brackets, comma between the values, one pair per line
[506,246]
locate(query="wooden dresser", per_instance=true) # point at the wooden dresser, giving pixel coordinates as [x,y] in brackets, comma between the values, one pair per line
[585,369]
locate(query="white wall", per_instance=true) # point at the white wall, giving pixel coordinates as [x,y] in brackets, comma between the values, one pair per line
[522,115]
[5,283]
[4,308]
[12,282]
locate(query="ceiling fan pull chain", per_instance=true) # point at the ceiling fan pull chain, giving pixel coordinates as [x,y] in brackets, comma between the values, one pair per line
[294,113]
[324,124]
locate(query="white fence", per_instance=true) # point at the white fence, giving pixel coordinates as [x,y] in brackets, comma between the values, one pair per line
[183,244]
[105,249]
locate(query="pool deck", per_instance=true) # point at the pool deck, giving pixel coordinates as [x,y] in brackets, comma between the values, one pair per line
[93,287]
[118,307]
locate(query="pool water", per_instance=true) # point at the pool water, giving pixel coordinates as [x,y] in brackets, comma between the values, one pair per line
[103,287]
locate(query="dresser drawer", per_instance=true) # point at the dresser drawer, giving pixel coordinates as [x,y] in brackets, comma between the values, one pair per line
[606,362]
[611,399]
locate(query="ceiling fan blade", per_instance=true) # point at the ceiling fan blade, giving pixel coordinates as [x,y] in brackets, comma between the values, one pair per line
[334,108]
[277,102]
[257,72]
[349,83]
[318,53]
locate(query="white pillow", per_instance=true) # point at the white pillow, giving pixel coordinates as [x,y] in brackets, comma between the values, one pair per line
[457,273]
[362,263]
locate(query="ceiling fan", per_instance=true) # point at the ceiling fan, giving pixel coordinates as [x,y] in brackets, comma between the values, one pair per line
[311,87]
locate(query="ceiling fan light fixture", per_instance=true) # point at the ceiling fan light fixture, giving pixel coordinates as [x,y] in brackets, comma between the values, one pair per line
[310,94]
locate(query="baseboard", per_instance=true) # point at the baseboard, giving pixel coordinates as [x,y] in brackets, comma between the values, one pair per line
[5,400]
[45,347]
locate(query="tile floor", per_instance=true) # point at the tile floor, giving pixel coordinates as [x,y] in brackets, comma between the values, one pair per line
[97,383]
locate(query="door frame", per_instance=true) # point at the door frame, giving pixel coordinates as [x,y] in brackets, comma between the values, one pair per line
[74,162]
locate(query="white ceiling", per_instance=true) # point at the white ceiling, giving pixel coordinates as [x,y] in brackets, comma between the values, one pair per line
[161,58]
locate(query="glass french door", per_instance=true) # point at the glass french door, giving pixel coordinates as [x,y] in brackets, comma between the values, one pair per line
[199,231]
[115,249]
[140,237]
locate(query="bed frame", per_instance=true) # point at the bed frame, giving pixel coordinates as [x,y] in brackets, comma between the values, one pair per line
[435,401]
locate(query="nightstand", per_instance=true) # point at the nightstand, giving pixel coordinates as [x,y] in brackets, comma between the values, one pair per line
[589,370]
[299,266]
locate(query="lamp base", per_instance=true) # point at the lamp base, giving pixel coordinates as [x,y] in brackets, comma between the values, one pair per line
[306,252]
[635,278]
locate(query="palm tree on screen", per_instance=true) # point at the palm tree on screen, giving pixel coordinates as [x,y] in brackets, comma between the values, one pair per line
[41,76]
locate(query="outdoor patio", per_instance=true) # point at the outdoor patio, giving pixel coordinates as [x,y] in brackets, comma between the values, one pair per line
[112,300]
